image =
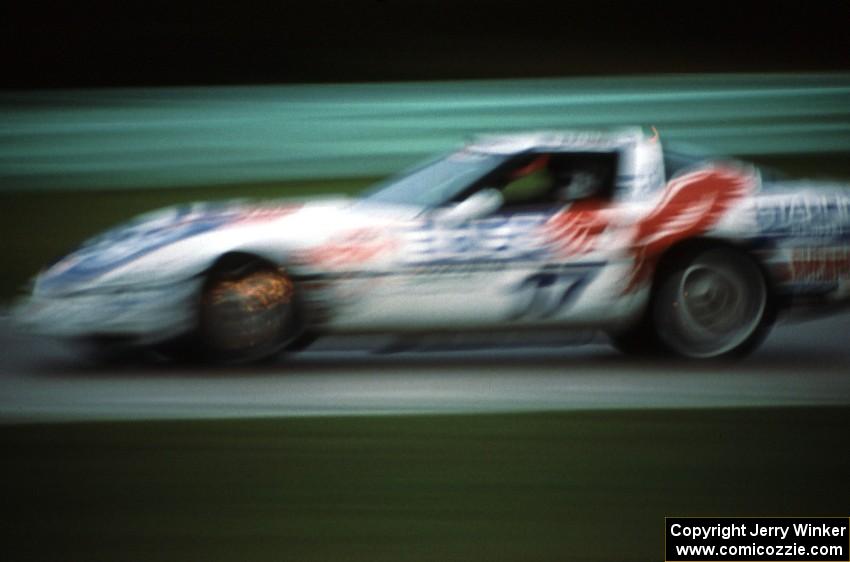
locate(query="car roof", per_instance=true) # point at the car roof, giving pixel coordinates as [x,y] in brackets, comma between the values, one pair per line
[567,140]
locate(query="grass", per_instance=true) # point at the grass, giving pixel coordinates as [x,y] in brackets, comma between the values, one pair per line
[547,486]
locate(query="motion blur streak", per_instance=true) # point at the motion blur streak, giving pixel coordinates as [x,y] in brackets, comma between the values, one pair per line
[46,381]
[168,137]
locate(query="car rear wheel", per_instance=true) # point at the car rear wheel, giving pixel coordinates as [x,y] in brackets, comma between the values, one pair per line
[712,304]
[248,314]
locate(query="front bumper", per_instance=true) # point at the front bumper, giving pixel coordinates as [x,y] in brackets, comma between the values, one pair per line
[145,315]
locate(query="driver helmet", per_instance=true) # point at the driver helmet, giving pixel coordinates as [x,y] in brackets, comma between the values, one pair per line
[575,185]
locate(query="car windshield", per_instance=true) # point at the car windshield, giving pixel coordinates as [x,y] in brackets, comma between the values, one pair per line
[436,182]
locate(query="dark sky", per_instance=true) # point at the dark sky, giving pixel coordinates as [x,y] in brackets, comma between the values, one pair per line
[109,44]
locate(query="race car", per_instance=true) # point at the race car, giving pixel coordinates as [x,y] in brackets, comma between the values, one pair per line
[602,230]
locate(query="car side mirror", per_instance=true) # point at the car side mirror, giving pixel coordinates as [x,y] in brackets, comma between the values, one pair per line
[480,204]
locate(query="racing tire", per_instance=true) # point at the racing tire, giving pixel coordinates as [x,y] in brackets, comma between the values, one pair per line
[247,315]
[712,304]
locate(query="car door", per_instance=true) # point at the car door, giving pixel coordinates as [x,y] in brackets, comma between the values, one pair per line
[529,261]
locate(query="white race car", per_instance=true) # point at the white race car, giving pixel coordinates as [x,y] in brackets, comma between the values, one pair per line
[599,230]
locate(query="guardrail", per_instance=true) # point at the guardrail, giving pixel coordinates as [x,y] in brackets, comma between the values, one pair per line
[167,137]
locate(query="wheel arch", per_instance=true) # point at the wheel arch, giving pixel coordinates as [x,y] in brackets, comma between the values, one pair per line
[236,259]
[669,257]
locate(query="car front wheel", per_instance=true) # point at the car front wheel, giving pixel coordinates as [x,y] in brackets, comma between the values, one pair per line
[247,315]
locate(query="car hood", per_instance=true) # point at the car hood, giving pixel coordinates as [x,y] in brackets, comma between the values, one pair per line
[202,231]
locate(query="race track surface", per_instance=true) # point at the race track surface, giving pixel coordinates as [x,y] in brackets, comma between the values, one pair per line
[800,364]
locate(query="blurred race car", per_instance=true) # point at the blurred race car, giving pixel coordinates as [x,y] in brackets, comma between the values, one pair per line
[576,229]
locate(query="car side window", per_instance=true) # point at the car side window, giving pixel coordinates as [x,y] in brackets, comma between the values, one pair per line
[555,179]
[530,188]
